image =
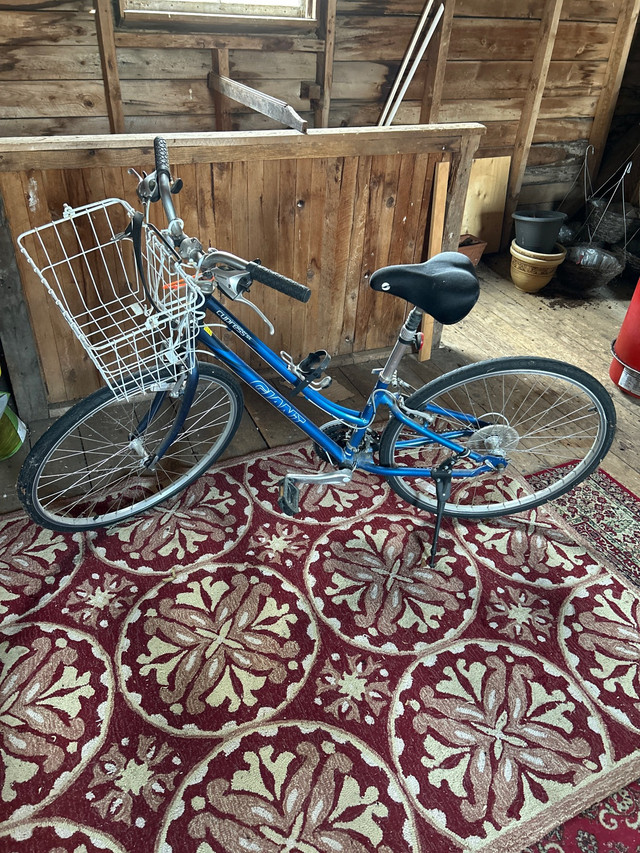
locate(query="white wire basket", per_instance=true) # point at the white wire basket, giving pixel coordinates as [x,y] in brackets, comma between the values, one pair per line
[86,261]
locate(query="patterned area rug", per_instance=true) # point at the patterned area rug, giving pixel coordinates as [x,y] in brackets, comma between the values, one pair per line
[217,678]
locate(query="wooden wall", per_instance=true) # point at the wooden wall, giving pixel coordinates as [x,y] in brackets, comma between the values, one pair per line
[480,69]
[326,208]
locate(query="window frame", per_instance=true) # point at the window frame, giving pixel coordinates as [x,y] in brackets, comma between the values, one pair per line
[186,12]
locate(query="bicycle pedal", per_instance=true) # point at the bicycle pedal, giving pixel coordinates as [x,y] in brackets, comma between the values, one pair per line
[288,497]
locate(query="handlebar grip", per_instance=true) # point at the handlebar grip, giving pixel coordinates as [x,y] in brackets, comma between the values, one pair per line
[162,156]
[278,282]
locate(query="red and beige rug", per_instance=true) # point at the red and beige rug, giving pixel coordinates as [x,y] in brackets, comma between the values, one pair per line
[218,678]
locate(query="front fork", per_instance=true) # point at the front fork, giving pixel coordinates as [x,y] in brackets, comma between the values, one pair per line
[188,394]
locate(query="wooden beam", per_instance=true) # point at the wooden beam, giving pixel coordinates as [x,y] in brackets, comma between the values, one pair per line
[78,152]
[172,40]
[461,163]
[530,110]
[623,36]
[220,65]
[324,62]
[16,333]
[436,61]
[109,62]
[259,101]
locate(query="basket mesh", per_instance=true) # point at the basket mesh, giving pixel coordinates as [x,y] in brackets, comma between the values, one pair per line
[87,263]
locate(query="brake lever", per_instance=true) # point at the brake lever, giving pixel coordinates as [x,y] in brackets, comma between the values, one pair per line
[266,320]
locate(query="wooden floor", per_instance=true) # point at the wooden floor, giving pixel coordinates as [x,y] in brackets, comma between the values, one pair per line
[555,322]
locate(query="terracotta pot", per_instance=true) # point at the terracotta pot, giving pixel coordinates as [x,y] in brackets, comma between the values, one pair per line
[530,273]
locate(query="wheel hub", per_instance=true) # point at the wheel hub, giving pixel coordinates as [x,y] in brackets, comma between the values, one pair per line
[495,438]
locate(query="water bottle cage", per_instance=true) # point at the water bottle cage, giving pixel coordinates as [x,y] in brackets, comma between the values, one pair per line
[310,369]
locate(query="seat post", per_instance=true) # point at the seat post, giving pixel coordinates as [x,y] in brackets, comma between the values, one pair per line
[406,338]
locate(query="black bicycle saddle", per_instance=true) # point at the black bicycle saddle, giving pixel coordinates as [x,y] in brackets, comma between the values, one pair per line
[446,286]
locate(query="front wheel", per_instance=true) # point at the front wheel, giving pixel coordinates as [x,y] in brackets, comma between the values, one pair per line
[87,471]
[551,421]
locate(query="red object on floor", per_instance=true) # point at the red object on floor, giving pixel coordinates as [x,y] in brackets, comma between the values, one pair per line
[625,366]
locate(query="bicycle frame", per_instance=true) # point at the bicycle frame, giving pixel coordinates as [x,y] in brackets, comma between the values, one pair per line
[344,457]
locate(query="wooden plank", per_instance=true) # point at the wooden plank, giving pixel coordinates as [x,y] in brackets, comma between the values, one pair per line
[221,104]
[54,126]
[549,26]
[580,10]
[65,27]
[49,62]
[436,235]
[16,333]
[487,38]
[325,60]
[620,47]
[383,316]
[330,290]
[162,97]
[123,149]
[257,100]
[109,62]
[475,80]
[321,208]
[173,40]
[436,61]
[510,109]
[355,282]
[484,205]
[457,193]
[52,98]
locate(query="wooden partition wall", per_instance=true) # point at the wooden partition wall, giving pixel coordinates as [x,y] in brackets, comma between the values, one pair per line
[326,208]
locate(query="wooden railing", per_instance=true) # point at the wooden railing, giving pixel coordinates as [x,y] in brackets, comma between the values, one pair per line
[326,208]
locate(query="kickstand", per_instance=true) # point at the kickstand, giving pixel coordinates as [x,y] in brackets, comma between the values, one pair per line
[442,477]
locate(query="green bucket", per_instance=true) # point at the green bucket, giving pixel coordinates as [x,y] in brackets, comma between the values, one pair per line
[12,430]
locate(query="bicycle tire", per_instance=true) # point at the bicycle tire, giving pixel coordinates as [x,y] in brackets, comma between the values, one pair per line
[513,394]
[85,473]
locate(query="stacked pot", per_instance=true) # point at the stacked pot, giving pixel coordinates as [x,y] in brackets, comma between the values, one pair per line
[535,254]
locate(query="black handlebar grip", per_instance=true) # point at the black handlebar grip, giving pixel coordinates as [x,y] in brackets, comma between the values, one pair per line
[162,156]
[279,282]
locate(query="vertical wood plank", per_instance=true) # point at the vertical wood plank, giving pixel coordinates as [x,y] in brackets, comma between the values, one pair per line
[221,105]
[356,287]
[343,291]
[530,110]
[385,314]
[458,187]
[109,62]
[286,251]
[485,203]
[330,280]
[324,61]
[316,324]
[436,235]
[302,225]
[436,62]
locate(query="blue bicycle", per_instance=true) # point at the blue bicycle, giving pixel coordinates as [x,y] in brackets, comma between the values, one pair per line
[488,439]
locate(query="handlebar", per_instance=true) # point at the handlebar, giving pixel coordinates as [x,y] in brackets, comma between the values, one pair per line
[278,282]
[163,177]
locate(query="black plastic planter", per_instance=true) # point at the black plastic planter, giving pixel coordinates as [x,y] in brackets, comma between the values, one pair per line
[537,230]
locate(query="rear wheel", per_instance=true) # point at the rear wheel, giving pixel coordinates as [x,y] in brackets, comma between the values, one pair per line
[88,472]
[552,422]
